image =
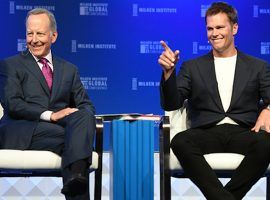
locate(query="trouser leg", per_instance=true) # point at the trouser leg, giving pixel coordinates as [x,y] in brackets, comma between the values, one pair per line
[83,194]
[189,147]
[256,148]
[79,134]
[77,154]
[72,138]
[48,136]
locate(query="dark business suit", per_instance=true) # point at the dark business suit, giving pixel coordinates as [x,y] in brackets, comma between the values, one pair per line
[197,82]
[25,96]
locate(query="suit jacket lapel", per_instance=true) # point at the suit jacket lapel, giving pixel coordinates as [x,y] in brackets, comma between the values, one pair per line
[30,63]
[57,76]
[208,74]
[242,73]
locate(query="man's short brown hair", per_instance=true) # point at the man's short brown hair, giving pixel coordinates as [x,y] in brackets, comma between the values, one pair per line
[222,7]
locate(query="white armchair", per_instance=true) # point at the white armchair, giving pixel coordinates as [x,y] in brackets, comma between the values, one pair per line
[18,163]
[223,163]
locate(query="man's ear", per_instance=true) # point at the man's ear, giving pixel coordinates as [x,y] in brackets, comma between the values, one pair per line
[235,28]
[54,36]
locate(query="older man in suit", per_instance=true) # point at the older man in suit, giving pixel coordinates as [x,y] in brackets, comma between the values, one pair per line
[46,106]
[223,89]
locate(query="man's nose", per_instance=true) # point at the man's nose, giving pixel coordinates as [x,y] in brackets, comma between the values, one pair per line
[35,38]
[215,32]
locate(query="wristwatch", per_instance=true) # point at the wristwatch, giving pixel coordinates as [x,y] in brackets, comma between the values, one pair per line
[268,107]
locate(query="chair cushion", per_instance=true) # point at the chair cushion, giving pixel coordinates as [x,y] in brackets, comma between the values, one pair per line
[218,161]
[30,159]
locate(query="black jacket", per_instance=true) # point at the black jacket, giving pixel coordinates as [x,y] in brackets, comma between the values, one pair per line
[197,82]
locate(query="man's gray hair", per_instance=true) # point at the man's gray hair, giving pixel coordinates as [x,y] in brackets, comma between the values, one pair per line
[38,11]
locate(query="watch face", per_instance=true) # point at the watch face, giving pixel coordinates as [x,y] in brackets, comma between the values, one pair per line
[268,107]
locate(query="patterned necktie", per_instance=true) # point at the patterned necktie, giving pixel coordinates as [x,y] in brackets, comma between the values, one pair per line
[47,72]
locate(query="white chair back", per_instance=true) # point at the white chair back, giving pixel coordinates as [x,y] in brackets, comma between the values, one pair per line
[1,111]
[178,123]
[178,120]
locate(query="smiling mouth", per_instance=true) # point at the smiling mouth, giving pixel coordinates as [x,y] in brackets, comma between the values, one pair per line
[217,39]
[36,47]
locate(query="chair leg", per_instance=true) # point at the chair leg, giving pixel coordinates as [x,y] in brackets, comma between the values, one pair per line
[162,184]
[167,186]
[164,153]
[267,187]
[98,184]
[99,149]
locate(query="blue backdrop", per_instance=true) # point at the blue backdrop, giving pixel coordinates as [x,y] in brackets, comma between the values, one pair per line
[115,43]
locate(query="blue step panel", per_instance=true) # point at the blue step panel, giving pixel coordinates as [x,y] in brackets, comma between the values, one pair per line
[132,160]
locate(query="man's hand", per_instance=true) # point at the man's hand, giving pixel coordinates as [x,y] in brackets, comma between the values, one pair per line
[62,113]
[263,121]
[168,59]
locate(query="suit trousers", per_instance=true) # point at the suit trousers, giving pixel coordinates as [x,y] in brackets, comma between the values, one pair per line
[71,138]
[189,147]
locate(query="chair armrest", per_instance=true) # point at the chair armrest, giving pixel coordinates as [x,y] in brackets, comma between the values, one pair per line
[164,136]
[164,156]
[164,145]
[99,139]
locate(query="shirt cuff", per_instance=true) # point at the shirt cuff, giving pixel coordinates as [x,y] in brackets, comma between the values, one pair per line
[46,115]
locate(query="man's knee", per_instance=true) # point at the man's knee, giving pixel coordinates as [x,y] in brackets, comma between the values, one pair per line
[263,145]
[180,143]
[83,116]
[265,142]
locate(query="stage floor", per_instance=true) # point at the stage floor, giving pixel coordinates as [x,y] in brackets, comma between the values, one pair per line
[37,188]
